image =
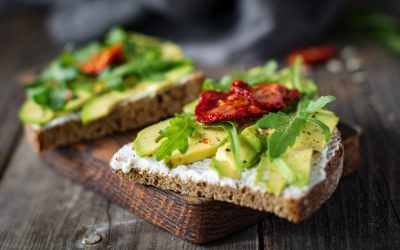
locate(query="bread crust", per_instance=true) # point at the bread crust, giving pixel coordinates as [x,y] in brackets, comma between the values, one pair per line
[128,115]
[293,209]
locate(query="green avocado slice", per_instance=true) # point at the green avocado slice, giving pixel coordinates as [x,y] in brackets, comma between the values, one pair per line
[148,139]
[312,135]
[33,113]
[250,150]
[203,144]
[270,175]
[101,106]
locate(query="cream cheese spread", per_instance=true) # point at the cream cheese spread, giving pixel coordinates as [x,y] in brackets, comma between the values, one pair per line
[126,159]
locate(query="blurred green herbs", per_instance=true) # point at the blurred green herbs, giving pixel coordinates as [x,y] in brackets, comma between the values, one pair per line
[142,59]
[365,26]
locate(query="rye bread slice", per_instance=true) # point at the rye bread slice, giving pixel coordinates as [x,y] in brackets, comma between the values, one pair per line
[293,209]
[128,115]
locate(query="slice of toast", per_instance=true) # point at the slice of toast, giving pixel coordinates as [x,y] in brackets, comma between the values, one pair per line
[127,115]
[292,204]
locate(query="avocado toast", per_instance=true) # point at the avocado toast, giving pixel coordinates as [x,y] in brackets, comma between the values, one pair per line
[260,139]
[124,82]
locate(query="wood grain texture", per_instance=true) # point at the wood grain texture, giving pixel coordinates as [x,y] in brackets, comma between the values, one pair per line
[17,53]
[187,217]
[42,210]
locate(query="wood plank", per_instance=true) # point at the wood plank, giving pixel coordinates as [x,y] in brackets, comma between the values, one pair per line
[196,219]
[47,211]
[18,53]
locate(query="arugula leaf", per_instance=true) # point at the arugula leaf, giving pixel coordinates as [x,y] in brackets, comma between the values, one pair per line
[145,68]
[115,83]
[253,76]
[39,93]
[315,105]
[323,126]
[57,98]
[177,135]
[210,84]
[116,35]
[262,74]
[234,142]
[83,84]
[296,74]
[58,72]
[288,126]
[83,54]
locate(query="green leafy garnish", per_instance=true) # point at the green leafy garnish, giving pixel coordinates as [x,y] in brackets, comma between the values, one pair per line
[59,72]
[143,69]
[288,77]
[210,84]
[116,35]
[366,26]
[262,74]
[177,135]
[61,81]
[296,74]
[288,126]
[83,54]
[253,76]
[234,142]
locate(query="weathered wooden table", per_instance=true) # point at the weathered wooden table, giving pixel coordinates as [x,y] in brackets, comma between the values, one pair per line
[40,209]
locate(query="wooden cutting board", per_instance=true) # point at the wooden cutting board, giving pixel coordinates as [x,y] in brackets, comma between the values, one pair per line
[196,219]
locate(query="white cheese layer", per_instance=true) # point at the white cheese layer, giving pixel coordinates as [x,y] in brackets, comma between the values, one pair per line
[126,159]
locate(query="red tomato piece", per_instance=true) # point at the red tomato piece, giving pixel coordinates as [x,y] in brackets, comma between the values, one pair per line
[274,96]
[102,59]
[314,54]
[217,106]
[242,101]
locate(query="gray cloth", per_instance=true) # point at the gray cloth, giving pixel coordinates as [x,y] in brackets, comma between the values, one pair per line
[211,31]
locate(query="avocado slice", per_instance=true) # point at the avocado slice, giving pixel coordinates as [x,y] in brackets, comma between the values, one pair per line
[101,106]
[147,140]
[75,104]
[270,175]
[249,151]
[33,113]
[250,146]
[293,167]
[300,163]
[225,168]
[312,136]
[171,51]
[204,143]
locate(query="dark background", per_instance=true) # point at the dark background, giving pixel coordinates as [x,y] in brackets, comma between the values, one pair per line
[213,32]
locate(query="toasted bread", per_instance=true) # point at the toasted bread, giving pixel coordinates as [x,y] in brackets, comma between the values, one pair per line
[127,115]
[292,207]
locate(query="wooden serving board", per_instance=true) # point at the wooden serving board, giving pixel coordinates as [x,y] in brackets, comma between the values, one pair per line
[196,219]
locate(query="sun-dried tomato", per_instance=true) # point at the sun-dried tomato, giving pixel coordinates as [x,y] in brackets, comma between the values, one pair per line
[221,106]
[314,54]
[242,102]
[102,59]
[269,96]
[274,96]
